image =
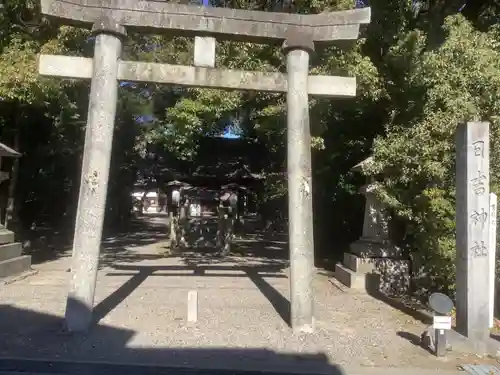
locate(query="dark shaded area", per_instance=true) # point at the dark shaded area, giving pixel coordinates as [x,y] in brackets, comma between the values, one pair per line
[255,243]
[415,340]
[48,245]
[48,174]
[119,248]
[411,337]
[64,367]
[47,348]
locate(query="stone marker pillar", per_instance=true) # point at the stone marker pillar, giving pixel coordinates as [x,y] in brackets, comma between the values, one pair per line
[492,255]
[472,231]
[300,229]
[95,173]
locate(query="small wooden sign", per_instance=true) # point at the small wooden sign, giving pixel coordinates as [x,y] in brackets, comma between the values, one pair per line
[442,322]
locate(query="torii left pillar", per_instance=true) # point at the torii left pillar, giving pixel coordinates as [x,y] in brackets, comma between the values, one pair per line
[298,48]
[95,173]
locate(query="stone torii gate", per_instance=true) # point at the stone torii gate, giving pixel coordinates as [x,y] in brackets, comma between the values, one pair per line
[109,20]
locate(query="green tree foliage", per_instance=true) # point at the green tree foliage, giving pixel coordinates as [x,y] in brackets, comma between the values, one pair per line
[45,118]
[438,88]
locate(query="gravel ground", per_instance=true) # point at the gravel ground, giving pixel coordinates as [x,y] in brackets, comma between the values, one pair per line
[141,305]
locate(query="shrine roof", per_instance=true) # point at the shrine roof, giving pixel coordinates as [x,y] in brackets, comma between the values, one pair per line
[7,151]
[362,164]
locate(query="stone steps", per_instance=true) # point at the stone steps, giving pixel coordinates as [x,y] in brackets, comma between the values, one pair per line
[373,274]
[15,266]
[350,278]
[358,264]
[10,250]
[6,236]
[358,273]
[12,262]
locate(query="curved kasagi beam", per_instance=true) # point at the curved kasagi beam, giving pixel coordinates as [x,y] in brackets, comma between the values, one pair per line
[222,23]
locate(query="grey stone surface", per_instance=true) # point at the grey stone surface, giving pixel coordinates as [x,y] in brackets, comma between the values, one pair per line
[15,266]
[375,224]
[358,264]
[375,240]
[472,230]
[94,181]
[106,24]
[368,248]
[492,222]
[10,250]
[12,262]
[299,192]
[299,39]
[224,23]
[79,67]
[350,278]
[204,51]
[6,236]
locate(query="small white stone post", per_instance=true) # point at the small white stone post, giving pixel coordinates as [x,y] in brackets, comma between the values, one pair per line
[192,306]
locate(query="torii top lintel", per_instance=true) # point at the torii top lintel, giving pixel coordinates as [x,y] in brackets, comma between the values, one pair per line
[222,23]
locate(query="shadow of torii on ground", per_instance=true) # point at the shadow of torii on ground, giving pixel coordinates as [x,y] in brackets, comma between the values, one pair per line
[139,274]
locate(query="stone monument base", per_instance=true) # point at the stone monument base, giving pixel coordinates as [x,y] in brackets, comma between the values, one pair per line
[374,267]
[12,262]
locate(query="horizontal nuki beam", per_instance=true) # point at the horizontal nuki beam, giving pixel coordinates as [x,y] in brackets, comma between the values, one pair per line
[222,23]
[227,79]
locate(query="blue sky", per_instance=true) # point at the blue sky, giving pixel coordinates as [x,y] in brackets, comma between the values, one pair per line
[229,134]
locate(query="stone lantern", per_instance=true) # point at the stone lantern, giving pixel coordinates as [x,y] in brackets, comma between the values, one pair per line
[12,262]
[373,261]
